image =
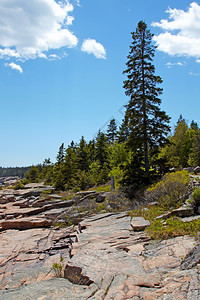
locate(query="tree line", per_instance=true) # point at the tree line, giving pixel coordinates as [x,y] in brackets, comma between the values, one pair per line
[141,149]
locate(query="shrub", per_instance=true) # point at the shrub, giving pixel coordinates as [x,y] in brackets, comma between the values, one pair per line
[58,267]
[174,227]
[18,185]
[171,191]
[148,214]
[196,199]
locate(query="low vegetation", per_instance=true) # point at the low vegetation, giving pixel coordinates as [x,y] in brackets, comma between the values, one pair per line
[172,228]
[171,191]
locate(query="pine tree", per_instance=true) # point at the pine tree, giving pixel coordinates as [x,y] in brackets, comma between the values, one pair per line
[61,154]
[123,132]
[112,131]
[101,148]
[147,124]
[194,158]
[83,161]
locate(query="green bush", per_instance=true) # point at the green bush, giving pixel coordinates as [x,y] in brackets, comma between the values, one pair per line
[58,267]
[174,227]
[171,191]
[18,185]
[196,199]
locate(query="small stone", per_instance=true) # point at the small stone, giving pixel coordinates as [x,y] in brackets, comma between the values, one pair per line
[139,223]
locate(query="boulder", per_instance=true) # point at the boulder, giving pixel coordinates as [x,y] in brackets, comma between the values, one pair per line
[183,211]
[139,223]
[102,197]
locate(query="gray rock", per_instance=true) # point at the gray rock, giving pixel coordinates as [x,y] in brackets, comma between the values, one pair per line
[85,193]
[196,170]
[190,219]
[155,203]
[25,223]
[183,211]
[102,197]
[191,259]
[139,223]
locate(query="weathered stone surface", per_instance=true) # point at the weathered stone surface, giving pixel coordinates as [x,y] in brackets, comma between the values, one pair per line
[27,256]
[85,193]
[190,219]
[125,265]
[183,211]
[103,256]
[25,223]
[191,259]
[139,223]
[52,289]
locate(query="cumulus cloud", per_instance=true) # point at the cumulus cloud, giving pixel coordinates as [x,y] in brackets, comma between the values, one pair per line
[28,29]
[91,46]
[14,66]
[182,32]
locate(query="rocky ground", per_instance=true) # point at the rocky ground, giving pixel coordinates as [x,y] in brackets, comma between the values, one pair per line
[104,256]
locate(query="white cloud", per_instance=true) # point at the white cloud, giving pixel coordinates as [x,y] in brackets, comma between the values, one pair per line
[78,2]
[70,20]
[194,74]
[28,29]
[182,32]
[170,64]
[93,47]
[54,57]
[14,66]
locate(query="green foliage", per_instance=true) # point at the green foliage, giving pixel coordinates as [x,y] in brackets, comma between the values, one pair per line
[148,214]
[112,131]
[147,124]
[58,267]
[33,174]
[174,227]
[18,185]
[196,198]
[13,171]
[184,147]
[101,148]
[171,190]
[60,156]
[194,156]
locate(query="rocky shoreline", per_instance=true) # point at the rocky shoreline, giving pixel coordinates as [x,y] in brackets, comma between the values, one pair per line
[104,256]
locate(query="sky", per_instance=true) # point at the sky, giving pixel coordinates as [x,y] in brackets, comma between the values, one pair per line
[61,65]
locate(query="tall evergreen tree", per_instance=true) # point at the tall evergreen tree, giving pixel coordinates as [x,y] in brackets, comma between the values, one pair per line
[123,132]
[83,161]
[112,131]
[101,147]
[61,154]
[148,125]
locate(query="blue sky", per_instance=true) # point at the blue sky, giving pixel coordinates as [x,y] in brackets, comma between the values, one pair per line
[61,65]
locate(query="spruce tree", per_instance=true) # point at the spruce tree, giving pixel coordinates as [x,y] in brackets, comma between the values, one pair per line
[112,131]
[61,155]
[147,124]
